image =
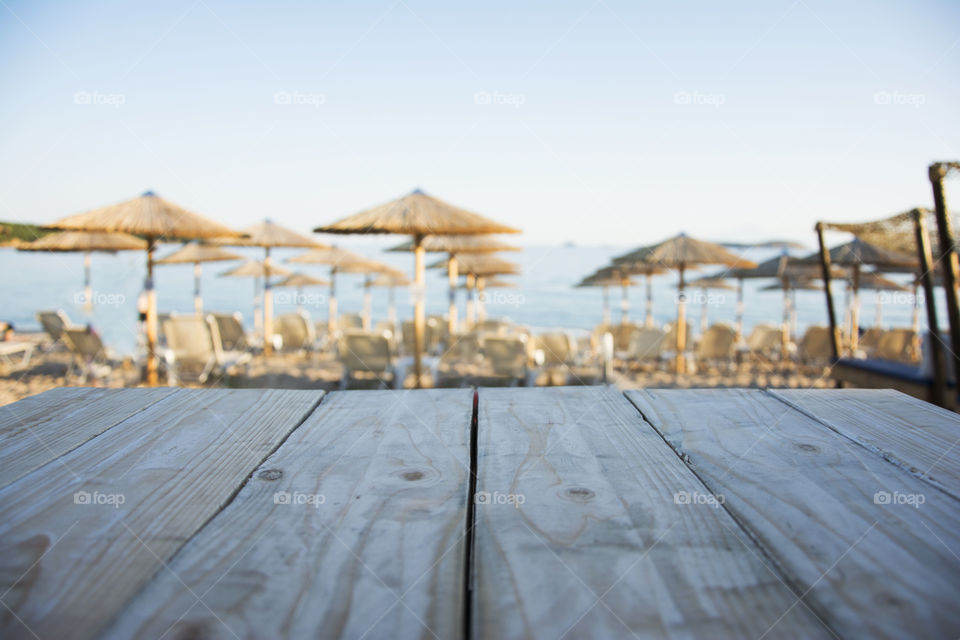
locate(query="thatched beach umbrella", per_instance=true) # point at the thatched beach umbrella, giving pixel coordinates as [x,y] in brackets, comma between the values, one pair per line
[299,281]
[391,281]
[417,215]
[477,267]
[268,234]
[254,269]
[154,219]
[198,253]
[85,242]
[340,261]
[706,284]
[453,245]
[623,271]
[683,253]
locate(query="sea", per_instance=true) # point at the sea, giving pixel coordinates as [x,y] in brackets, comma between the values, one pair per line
[545,297]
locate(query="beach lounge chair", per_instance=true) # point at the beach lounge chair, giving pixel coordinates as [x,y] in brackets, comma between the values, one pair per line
[53,323]
[765,341]
[557,352]
[815,346]
[506,359]
[194,350]
[670,342]
[230,326]
[15,355]
[366,356]
[622,334]
[461,361]
[295,330]
[431,336]
[868,342]
[717,344]
[350,321]
[899,345]
[646,345]
[91,359]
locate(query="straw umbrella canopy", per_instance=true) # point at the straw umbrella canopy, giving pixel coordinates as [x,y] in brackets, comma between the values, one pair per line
[855,254]
[299,281]
[477,267]
[452,245]
[391,281]
[682,253]
[268,234]
[418,215]
[152,218]
[197,253]
[605,278]
[340,261]
[706,284]
[254,269]
[86,242]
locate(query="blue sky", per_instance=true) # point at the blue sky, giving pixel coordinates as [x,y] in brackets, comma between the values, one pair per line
[598,121]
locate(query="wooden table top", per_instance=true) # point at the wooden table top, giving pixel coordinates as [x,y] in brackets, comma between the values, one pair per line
[527,513]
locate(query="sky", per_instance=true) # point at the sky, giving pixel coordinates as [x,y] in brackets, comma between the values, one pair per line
[595,122]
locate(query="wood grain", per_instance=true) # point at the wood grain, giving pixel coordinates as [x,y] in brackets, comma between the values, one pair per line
[599,546]
[381,557]
[809,496]
[41,428]
[67,567]
[918,436]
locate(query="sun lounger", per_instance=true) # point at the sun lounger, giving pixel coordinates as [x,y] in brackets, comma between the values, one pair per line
[91,358]
[815,347]
[717,344]
[53,323]
[366,355]
[194,351]
[506,358]
[230,326]
[15,355]
[646,345]
[350,321]
[295,331]
[899,345]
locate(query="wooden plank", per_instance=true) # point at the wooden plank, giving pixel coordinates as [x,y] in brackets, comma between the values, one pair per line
[381,555]
[582,531]
[78,539]
[41,428]
[876,567]
[921,437]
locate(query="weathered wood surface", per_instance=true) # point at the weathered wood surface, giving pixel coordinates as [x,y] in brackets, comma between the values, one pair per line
[381,555]
[921,437]
[41,428]
[78,539]
[871,568]
[599,546]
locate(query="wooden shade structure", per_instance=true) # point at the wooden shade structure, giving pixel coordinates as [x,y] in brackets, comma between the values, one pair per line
[85,242]
[152,218]
[254,269]
[453,245]
[269,235]
[418,215]
[196,253]
[682,253]
[340,261]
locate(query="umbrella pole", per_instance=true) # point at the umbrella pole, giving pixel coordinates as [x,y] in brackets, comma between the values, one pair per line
[915,315]
[267,305]
[648,321]
[785,321]
[471,284]
[703,313]
[481,299]
[367,304]
[197,300]
[739,310]
[855,310]
[831,315]
[937,356]
[419,319]
[299,299]
[87,287]
[391,309]
[152,376]
[257,318]
[681,326]
[332,311]
[606,306]
[948,259]
[452,275]
[624,302]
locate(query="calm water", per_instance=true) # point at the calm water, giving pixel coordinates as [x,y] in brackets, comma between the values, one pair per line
[545,297]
